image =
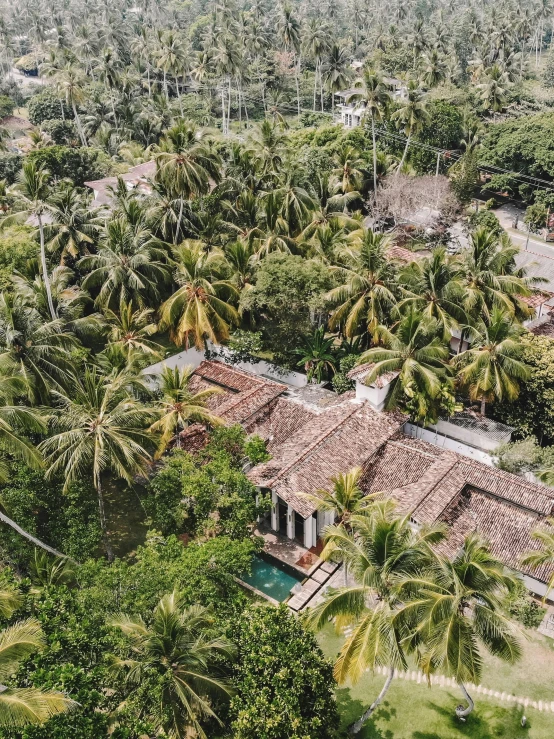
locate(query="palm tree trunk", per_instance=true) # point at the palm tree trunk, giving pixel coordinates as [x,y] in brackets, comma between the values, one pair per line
[229,108]
[358,725]
[103,526]
[31,538]
[462,712]
[45,269]
[179,96]
[223,131]
[297,75]
[404,155]
[79,126]
[179,219]
[483,405]
[374,158]
[315,84]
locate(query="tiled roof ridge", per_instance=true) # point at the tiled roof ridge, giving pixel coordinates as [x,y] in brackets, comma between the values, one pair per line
[532,486]
[442,465]
[313,445]
[239,398]
[260,381]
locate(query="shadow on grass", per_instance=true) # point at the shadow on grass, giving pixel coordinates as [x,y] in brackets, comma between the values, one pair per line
[485,722]
[351,709]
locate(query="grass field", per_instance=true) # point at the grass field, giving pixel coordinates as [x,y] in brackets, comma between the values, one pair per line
[412,711]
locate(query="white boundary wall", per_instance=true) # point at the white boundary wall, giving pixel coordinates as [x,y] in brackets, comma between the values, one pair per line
[444,442]
[194,357]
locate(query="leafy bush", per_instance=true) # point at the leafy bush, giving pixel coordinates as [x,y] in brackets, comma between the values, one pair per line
[284,684]
[17,247]
[76,163]
[10,164]
[207,492]
[7,106]
[342,383]
[525,609]
[61,132]
[256,450]
[486,219]
[67,521]
[46,106]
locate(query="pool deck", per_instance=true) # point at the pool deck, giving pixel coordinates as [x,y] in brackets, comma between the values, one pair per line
[319,574]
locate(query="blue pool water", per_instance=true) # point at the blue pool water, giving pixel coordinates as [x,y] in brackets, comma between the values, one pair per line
[271,578]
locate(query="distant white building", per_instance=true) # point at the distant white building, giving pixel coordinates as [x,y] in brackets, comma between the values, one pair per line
[352,112]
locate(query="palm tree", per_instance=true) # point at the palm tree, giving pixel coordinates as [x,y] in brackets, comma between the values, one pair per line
[289,30]
[131,330]
[544,556]
[39,349]
[368,290]
[335,71]
[414,358]
[73,226]
[493,89]
[199,308]
[492,368]
[345,499]
[459,610]
[181,649]
[131,263]
[434,68]
[98,427]
[31,195]
[316,356]
[350,170]
[435,289]
[69,81]
[411,117]
[186,164]
[376,99]
[20,707]
[268,148]
[489,275]
[381,552]
[179,406]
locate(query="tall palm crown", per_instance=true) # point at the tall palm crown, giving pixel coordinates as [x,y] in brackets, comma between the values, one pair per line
[199,310]
[130,263]
[335,70]
[344,499]
[490,277]
[369,285]
[434,287]
[181,651]
[179,406]
[411,117]
[98,427]
[20,707]
[544,536]
[460,610]
[73,226]
[41,350]
[413,355]
[31,193]
[316,356]
[381,552]
[376,98]
[492,368]
[131,330]
[185,162]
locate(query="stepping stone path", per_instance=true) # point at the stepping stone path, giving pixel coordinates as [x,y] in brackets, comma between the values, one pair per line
[448,682]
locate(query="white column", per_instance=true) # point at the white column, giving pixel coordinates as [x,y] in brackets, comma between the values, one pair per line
[274,512]
[308,543]
[313,521]
[290,522]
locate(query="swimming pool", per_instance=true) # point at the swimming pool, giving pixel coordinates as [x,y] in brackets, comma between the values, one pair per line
[272,577]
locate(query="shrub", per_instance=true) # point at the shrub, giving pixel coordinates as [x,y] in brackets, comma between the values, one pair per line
[487,219]
[7,106]
[76,163]
[525,609]
[47,106]
[341,382]
[17,247]
[61,132]
[284,684]
[256,450]
[10,164]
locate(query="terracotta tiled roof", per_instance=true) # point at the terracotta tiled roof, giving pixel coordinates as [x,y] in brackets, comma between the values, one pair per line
[243,394]
[361,371]
[506,527]
[401,254]
[341,439]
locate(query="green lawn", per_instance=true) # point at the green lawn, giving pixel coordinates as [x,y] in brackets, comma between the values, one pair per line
[412,711]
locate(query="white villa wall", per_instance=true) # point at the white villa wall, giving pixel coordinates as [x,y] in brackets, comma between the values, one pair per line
[375,395]
[432,437]
[467,436]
